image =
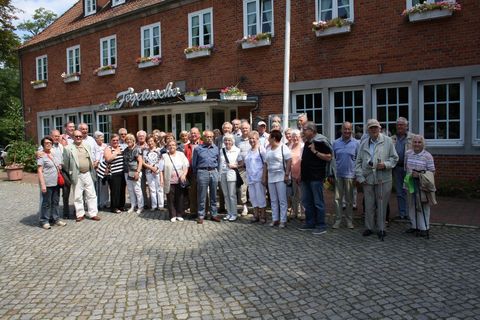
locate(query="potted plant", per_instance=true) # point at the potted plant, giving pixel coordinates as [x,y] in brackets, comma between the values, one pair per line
[105,70]
[196,96]
[21,156]
[428,11]
[232,93]
[70,77]
[330,27]
[258,40]
[38,84]
[197,51]
[147,62]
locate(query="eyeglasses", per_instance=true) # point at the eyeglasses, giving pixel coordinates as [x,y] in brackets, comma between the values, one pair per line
[47,142]
[78,136]
[114,140]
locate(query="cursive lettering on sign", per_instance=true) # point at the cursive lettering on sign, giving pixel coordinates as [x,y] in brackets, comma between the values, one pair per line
[133,98]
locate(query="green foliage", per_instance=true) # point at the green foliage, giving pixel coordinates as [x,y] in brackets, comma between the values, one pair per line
[12,124]
[465,189]
[9,87]
[42,18]
[9,41]
[23,152]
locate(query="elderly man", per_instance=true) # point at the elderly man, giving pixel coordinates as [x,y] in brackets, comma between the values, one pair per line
[90,141]
[142,144]
[205,164]
[236,127]
[195,140]
[316,158]
[345,151]
[78,161]
[244,145]
[403,142]
[122,132]
[373,170]
[67,136]
[262,133]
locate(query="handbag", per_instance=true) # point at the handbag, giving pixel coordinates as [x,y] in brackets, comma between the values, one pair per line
[60,179]
[183,184]
[239,181]
[289,181]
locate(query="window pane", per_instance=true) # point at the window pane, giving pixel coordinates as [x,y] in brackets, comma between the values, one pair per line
[381,114]
[392,113]
[348,115]
[392,96]
[429,93]
[454,130]
[454,92]
[299,101]
[348,99]
[381,96]
[338,99]
[454,111]
[441,111]
[358,98]
[309,100]
[429,111]
[442,130]
[429,129]
[403,95]
[441,92]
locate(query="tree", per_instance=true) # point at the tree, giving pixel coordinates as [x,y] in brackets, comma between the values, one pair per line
[42,18]
[11,123]
[9,41]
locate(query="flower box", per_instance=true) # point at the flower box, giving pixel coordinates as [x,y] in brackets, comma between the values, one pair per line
[429,15]
[232,97]
[256,44]
[39,85]
[333,30]
[196,98]
[69,79]
[198,54]
[107,72]
[148,64]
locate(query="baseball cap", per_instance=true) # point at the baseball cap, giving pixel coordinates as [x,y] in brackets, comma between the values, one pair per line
[373,123]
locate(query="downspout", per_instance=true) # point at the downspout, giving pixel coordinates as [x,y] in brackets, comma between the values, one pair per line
[286,73]
[21,95]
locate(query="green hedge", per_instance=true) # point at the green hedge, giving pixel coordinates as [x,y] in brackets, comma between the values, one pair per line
[460,188]
[23,152]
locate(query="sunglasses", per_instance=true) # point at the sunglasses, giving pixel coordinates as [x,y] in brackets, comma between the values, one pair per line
[78,136]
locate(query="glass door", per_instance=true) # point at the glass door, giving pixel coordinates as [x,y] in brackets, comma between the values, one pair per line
[196,119]
[162,122]
[218,118]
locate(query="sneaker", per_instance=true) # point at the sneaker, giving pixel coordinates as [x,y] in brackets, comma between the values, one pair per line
[46,226]
[140,210]
[60,223]
[226,217]
[173,219]
[245,210]
[179,219]
[336,225]
[274,223]
[131,210]
[232,218]
[282,225]
[319,231]
[350,225]
[305,227]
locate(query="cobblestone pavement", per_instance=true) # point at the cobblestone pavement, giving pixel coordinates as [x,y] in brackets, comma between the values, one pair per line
[145,267]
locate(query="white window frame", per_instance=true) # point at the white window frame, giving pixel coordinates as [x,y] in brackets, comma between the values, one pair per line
[151,27]
[476,113]
[90,7]
[201,23]
[411,5]
[109,51]
[332,109]
[41,62]
[259,11]
[442,142]
[117,2]
[45,132]
[323,108]
[396,86]
[334,10]
[108,123]
[74,69]
[55,122]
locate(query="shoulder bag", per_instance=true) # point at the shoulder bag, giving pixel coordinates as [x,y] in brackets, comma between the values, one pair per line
[237,173]
[186,183]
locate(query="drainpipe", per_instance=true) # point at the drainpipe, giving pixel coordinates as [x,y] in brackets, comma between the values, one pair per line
[286,73]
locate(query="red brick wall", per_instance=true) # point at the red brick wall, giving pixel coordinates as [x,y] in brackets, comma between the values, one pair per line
[457,167]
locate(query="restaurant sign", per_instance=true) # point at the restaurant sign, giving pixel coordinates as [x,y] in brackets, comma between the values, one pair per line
[130,97]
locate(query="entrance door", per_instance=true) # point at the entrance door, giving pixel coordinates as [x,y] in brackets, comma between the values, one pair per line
[218,118]
[196,119]
[162,122]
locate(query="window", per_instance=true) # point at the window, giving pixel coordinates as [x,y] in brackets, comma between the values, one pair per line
[73,59]
[58,123]
[151,40]
[104,124]
[88,119]
[389,104]
[257,17]
[108,51]
[331,9]
[412,3]
[310,104]
[200,31]
[348,106]
[72,118]
[42,68]
[45,126]
[442,112]
[90,7]
[476,112]
[116,3]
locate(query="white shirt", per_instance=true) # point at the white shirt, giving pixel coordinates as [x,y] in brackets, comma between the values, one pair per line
[92,143]
[275,163]
[233,157]
[254,164]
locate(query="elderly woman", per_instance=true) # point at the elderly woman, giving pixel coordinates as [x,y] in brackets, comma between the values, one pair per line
[133,161]
[288,137]
[184,139]
[296,149]
[276,172]
[175,176]
[153,164]
[48,167]
[254,161]
[229,157]
[101,186]
[113,172]
[418,162]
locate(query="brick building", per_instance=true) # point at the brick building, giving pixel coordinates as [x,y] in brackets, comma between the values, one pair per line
[424,66]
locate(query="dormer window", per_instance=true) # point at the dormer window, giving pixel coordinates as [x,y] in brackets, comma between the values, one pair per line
[117,2]
[90,7]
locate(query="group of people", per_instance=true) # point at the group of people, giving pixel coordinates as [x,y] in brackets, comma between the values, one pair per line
[237,165]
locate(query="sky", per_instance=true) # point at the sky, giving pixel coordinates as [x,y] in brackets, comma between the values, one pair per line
[29,6]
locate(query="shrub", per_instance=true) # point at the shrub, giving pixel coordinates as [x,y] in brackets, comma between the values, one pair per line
[23,152]
[465,189]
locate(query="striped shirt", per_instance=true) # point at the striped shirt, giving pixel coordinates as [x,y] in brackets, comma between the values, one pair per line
[116,166]
[422,161]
